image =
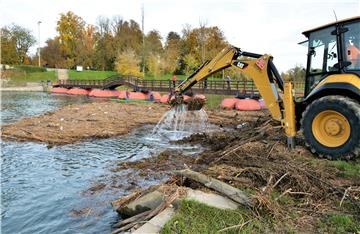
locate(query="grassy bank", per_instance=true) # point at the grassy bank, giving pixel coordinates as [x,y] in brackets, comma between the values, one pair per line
[26,73]
[21,75]
[194,217]
[90,75]
[21,78]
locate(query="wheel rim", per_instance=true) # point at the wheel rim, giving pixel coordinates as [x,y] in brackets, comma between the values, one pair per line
[330,128]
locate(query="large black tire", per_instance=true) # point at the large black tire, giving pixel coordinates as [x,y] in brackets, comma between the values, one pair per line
[350,109]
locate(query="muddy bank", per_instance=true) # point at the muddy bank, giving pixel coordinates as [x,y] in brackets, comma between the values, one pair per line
[77,122]
[101,120]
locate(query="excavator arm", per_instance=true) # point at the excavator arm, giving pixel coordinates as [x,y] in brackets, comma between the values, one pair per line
[263,72]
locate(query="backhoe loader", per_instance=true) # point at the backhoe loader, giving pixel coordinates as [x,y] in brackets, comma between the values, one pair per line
[329,113]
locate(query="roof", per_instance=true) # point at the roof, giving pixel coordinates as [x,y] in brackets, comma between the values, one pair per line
[307,32]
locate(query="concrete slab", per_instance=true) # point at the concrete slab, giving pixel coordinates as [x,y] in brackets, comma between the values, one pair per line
[212,199]
[147,202]
[156,223]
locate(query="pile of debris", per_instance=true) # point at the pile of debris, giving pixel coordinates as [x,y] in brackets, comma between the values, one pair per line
[253,158]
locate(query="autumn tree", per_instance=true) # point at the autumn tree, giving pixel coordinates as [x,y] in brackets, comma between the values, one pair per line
[87,46]
[105,50]
[15,44]
[52,54]
[153,53]
[8,47]
[113,37]
[70,28]
[172,53]
[128,35]
[201,44]
[127,63]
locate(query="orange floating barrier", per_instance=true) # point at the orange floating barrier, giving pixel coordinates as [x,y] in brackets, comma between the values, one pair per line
[103,93]
[164,99]
[123,94]
[116,93]
[228,103]
[137,96]
[200,96]
[78,91]
[186,98]
[156,96]
[59,90]
[247,105]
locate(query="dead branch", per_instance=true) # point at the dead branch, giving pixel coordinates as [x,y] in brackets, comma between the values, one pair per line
[223,188]
[278,181]
[240,226]
[238,145]
[345,193]
[131,219]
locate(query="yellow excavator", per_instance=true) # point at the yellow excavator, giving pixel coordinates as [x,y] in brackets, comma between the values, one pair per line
[329,112]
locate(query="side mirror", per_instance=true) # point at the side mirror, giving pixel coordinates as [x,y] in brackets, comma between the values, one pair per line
[312,51]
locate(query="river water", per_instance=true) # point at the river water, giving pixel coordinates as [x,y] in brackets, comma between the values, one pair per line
[41,187]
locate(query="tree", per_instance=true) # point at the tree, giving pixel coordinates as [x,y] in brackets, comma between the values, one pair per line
[172,53]
[201,44]
[15,44]
[127,63]
[70,28]
[153,43]
[8,47]
[23,40]
[105,49]
[296,74]
[87,46]
[155,64]
[128,35]
[52,54]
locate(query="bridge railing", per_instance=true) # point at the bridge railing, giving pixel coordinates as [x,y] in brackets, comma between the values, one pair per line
[242,86]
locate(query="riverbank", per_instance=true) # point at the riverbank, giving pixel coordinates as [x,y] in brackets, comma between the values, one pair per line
[292,190]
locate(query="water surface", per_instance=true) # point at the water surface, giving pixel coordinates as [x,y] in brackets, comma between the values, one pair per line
[42,187]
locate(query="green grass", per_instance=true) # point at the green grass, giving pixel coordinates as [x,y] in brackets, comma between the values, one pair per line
[164,77]
[90,75]
[169,76]
[339,223]
[21,78]
[194,217]
[347,169]
[29,68]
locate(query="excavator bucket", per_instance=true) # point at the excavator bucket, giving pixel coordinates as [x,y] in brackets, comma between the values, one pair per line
[192,103]
[195,104]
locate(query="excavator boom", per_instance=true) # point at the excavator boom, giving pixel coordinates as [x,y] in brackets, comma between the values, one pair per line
[263,72]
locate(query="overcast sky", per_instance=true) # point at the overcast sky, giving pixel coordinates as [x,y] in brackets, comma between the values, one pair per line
[259,26]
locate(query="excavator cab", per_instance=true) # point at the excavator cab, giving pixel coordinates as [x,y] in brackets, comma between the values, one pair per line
[332,49]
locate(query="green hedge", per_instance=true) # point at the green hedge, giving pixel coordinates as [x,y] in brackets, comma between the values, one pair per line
[29,69]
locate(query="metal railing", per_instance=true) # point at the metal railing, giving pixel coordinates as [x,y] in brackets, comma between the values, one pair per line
[234,87]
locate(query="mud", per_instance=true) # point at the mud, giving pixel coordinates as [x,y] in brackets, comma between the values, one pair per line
[77,122]
[100,120]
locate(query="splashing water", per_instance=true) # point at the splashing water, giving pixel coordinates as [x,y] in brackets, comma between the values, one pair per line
[178,123]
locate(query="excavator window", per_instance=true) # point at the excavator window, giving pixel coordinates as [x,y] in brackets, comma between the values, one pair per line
[322,55]
[352,46]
